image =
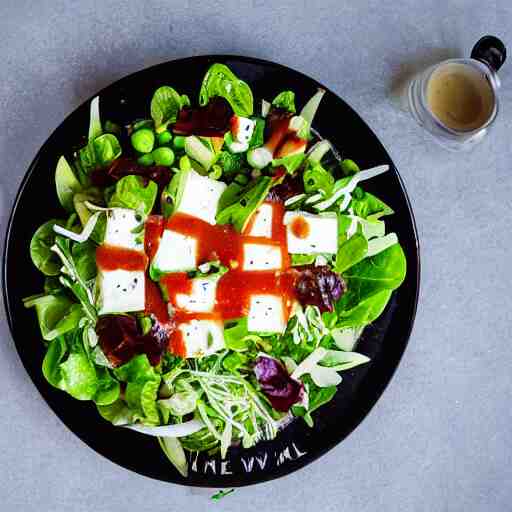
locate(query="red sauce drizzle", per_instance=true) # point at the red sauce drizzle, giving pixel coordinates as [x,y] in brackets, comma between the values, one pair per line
[177,282]
[153,233]
[234,288]
[177,344]
[299,227]
[110,257]
[214,242]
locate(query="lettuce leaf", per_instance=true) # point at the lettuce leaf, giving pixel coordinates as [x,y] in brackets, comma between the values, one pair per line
[221,81]
[165,106]
[285,100]
[237,204]
[132,192]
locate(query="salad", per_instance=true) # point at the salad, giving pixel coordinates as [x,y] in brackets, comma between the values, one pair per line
[213,268]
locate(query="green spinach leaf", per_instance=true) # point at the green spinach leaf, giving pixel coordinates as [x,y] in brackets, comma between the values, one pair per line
[132,192]
[317,179]
[350,252]
[165,106]
[44,259]
[285,100]
[221,81]
[237,204]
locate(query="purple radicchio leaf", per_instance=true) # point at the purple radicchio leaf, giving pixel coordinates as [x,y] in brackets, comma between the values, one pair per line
[318,286]
[281,390]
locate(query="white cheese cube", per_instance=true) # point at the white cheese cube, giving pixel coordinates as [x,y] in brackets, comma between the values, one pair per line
[202,337]
[262,223]
[200,197]
[242,129]
[266,314]
[125,229]
[317,233]
[262,257]
[121,291]
[202,298]
[176,253]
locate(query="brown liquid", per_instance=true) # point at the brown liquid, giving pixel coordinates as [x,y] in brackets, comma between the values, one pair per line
[460,97]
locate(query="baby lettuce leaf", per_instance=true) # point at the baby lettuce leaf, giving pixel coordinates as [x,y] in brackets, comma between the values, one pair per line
[141,388]
[118,413]
[78,372]
[369,286]
[135,193]
[237,204]
[66,184]
[98,153]
[84,256]
[108,388]
[367,311]
[221,81]
[368,206]
[51,363]
[317,179]
[350,252]
[56,314]
[44,259]
[165,106]
[285,100]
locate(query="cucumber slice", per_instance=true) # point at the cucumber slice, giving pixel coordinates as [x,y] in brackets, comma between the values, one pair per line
[196,150]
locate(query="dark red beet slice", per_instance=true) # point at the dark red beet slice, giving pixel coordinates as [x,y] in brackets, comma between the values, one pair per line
[212,120]
[120,339]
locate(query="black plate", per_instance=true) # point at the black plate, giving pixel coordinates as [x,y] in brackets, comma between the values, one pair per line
[384,341]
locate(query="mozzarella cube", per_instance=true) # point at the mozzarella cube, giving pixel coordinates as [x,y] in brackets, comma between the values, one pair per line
[317,233]
[266,314]
[125,229]
[202,298]
[200,197]
[202,337]
[262,223]
[242,129]
[176,252]
[121,291]
[262,257]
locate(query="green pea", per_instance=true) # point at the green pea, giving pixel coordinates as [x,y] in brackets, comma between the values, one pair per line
[216,172]
[143,140]
[179,142]
[349,167]
[146,160]
[185,164]
[164,138]
[163,156]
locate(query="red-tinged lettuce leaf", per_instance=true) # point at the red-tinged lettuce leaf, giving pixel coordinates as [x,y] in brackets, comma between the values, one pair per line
[275,383]
[120,339]
[318,286]
[212,120]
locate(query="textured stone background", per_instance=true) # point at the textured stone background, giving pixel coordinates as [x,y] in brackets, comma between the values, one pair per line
[439,439]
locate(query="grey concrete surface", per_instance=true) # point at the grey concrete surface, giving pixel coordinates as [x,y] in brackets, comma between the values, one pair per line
[439,439]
